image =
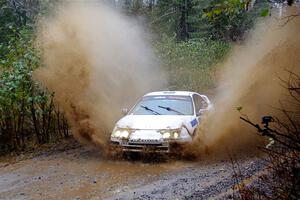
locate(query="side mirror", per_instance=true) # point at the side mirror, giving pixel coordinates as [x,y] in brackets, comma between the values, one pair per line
[124,111]
[201,111]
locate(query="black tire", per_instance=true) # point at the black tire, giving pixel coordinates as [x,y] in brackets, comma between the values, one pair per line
[131,155]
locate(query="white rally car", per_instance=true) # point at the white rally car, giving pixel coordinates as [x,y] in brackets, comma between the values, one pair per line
[159,119]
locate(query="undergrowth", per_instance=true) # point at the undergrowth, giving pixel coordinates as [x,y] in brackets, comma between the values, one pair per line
[191,64]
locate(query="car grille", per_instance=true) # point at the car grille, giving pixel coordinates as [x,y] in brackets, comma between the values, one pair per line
[146,147]
[144,142]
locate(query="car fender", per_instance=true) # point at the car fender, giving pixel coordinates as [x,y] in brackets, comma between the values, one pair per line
[189,127]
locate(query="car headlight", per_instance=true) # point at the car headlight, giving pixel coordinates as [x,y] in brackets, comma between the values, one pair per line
[120,133]
[172,134]
[166,135]
[175,135]
[116,133]
[124,134]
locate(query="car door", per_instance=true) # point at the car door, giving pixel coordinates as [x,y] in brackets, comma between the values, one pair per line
[202,105]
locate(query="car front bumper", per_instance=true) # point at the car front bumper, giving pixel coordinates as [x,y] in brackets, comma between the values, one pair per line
[145,146]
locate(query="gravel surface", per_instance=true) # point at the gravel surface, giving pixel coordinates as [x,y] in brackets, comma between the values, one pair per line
[203,180]
[71,171]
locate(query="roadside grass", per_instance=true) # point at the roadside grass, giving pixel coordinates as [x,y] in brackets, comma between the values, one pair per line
[191,65]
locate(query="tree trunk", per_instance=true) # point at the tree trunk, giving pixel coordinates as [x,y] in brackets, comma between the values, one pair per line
[183,26]
[35,123]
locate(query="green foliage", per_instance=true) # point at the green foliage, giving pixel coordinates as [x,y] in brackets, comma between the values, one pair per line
[17,66]
[264,12]
[191,64]
[239,108]
[227,20]
[27,112]
[230,19]
[182,17]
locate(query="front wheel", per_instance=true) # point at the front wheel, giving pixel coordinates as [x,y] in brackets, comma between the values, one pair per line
[114,152]
[131,155]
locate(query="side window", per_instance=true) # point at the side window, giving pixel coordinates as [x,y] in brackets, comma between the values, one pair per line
[200,103]
[197,101]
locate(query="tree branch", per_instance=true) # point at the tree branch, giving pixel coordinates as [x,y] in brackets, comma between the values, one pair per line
[290,18]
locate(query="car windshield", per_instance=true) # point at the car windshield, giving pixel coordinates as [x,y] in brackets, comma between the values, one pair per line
[164,105]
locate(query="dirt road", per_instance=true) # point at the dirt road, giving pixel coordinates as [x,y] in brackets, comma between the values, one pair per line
[75,172]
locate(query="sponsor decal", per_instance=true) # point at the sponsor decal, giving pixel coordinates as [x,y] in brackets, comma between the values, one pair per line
[194,122]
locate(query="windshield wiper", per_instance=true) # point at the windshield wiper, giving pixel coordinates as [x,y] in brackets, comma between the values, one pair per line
[171,109]
[149,109]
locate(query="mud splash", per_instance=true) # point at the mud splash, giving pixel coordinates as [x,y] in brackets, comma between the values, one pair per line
[250,79]
[96,61]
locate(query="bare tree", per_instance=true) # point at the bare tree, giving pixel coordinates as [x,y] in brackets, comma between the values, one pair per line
[283,149]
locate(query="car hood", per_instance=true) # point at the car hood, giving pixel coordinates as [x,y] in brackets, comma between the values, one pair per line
[150,122]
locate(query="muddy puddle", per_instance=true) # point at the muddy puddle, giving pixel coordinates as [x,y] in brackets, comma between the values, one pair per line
[79,173]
